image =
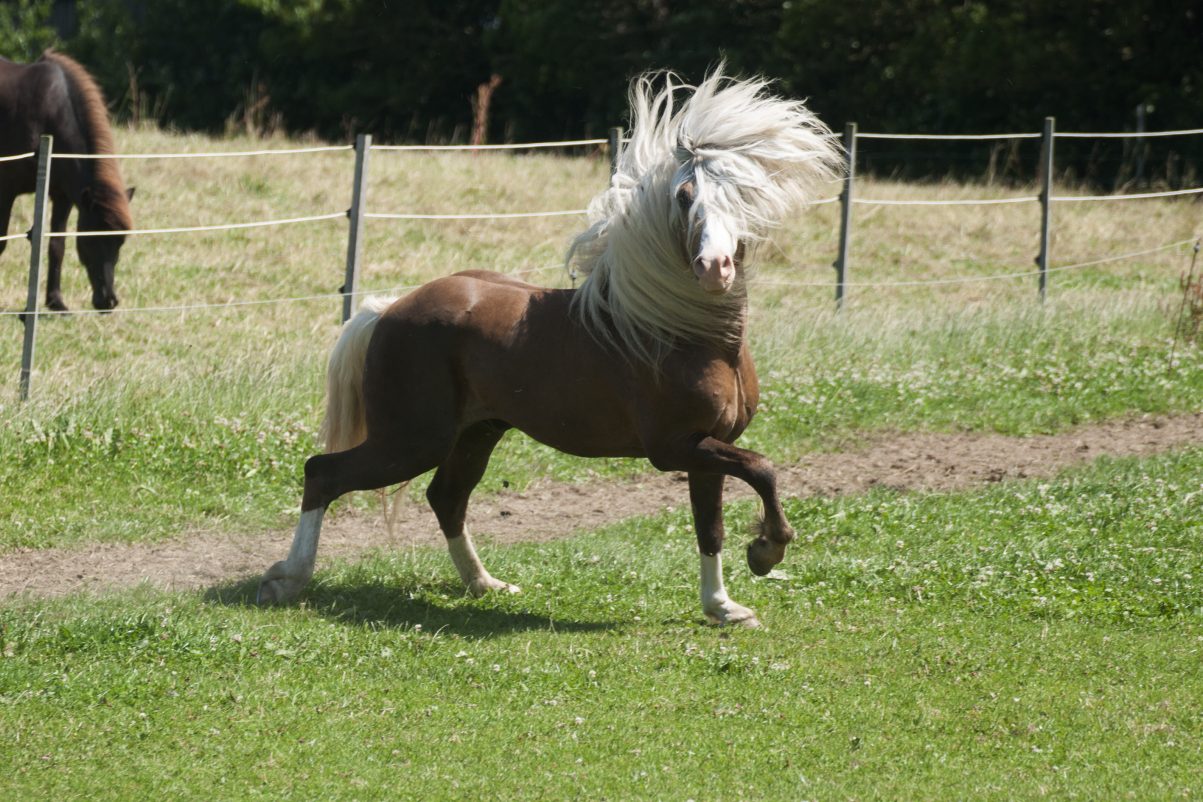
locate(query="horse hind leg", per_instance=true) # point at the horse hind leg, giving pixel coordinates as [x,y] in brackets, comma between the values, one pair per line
[6,210]
[448,495]
[373,464]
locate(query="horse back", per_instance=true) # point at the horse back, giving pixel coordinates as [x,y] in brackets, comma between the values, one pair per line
[35,99]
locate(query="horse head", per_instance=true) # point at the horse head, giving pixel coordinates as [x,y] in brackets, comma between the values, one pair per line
[99,252]
[712,237]
[706,174]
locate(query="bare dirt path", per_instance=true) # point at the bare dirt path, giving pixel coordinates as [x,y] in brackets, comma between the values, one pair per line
[200,559]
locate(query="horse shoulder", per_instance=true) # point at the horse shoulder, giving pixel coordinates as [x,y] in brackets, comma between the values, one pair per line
[749,382]
[41,97]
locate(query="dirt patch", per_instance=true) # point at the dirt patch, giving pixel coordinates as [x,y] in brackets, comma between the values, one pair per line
[549,510]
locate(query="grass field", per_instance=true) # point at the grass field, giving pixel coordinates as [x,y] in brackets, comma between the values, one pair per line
[1033,639]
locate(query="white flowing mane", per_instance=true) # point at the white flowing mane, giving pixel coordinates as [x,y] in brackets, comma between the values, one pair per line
[750,156]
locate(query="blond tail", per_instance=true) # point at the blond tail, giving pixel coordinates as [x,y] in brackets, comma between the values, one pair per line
[344,426]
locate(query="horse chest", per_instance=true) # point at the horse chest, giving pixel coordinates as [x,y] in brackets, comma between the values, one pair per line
[730,402]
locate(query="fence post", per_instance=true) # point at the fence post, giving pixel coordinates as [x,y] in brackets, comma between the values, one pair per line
[363,146]
[841,261]
[1046,201]
[37,242]
[615,146]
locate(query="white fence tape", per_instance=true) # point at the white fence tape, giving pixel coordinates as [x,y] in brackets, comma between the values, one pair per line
[207,155]
[969,202]
[569,143]
[1126,134]
[946,137]
[1138,196]
[189,229]
[971,279]
[1057,134]
[472,216]
[17,157]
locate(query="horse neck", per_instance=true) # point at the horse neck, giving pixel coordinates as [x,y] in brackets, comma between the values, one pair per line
[102,176]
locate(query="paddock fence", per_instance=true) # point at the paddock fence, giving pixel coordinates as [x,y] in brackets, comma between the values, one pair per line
[357,215]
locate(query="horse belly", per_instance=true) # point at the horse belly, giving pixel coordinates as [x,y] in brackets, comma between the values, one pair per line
[572,404]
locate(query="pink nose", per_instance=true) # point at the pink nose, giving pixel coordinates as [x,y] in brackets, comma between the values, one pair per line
[716,274]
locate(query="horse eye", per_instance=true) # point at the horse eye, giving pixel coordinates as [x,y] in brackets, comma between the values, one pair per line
[684,198]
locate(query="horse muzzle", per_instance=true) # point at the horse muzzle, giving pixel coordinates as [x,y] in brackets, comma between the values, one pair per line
[715,275]
[104,301]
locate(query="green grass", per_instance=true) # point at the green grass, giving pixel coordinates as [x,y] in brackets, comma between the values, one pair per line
[1029,640]
[224,446]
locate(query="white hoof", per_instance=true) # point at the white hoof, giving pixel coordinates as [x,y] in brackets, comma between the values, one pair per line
[731,614]
[278,587]
[487,584]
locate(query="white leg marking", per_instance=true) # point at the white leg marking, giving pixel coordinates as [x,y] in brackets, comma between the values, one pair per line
[284,581]
[471,570]
[717,606]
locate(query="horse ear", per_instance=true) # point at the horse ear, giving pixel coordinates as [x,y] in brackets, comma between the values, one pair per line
[129,193]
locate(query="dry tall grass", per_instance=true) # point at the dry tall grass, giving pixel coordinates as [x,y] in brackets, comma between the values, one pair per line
[890,244]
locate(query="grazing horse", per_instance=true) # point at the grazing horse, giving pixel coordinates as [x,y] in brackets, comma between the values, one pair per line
[56,96]
[648,358]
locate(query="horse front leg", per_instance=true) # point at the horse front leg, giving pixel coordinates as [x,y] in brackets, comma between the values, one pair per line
[706,454]
[706,499]
[6,210]
[60,211]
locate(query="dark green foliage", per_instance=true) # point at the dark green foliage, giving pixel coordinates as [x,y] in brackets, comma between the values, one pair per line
[25,28]
[407,69]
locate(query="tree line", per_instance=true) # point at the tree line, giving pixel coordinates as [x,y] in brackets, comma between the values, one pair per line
[411,70]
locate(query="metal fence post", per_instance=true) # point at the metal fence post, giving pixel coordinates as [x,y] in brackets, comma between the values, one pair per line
[615,146]
[1046,201]
[841,261]
[37,243]
[363,146]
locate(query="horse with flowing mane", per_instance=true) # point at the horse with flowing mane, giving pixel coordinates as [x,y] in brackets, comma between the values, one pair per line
[648,358]
[56,96]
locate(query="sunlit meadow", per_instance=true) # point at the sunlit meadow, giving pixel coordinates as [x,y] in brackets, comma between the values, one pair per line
[1028,640]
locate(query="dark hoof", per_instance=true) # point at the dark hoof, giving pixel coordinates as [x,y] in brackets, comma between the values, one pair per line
[56,305]
[763,554]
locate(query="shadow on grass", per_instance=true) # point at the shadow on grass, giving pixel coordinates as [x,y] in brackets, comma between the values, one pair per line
[375,604]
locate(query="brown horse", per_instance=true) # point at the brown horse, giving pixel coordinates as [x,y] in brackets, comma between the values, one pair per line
[649,358]
[56,96]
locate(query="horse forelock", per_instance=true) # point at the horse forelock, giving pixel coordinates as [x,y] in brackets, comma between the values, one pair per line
[108,188]
[751,158]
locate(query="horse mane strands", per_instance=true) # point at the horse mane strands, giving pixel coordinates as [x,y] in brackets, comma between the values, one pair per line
[90,105]
[752,157]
